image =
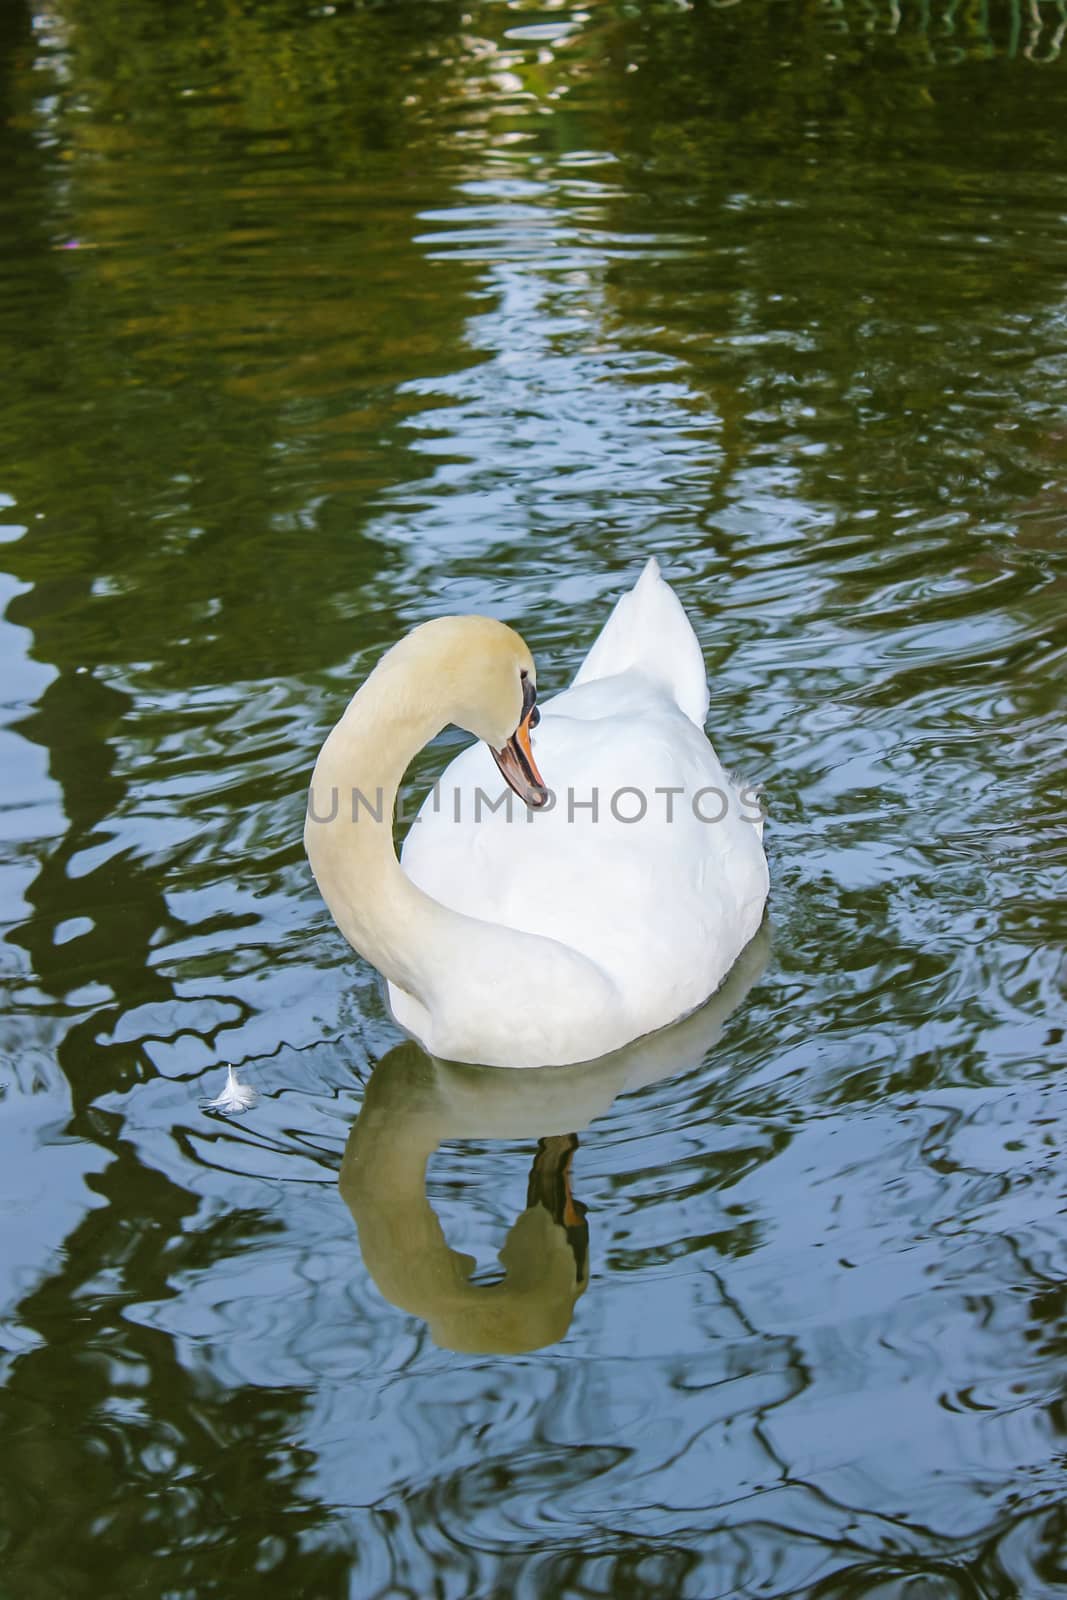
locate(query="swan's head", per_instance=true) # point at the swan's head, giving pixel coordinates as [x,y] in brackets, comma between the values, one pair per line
[483,678]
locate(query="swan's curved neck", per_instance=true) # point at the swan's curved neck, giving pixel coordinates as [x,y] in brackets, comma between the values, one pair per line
[349,831]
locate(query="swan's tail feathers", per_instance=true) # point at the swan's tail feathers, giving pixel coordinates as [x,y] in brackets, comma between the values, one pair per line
[649,631]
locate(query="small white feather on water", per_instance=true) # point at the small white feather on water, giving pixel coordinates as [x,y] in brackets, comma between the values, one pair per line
[236,1097]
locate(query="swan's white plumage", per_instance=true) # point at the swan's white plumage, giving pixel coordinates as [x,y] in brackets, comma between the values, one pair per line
[649,632]
[647,916]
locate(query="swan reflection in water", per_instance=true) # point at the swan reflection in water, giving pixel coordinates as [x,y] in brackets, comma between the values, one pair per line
[413,1103]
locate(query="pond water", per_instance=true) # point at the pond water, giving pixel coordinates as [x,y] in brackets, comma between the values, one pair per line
[320,320]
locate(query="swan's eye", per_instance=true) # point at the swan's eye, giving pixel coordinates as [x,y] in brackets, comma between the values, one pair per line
[534,718]
[529,696]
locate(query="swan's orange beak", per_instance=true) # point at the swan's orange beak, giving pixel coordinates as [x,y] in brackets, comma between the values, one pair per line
[516,762]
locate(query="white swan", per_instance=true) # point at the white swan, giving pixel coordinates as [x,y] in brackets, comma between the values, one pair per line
[555,930]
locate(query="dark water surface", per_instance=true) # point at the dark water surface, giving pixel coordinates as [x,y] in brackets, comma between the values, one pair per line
[316,321]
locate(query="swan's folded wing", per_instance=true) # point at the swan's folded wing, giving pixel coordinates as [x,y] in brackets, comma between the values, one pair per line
[649,632]
[662,904]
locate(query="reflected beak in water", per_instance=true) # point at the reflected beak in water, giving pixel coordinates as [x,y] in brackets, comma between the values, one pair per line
[516,760]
